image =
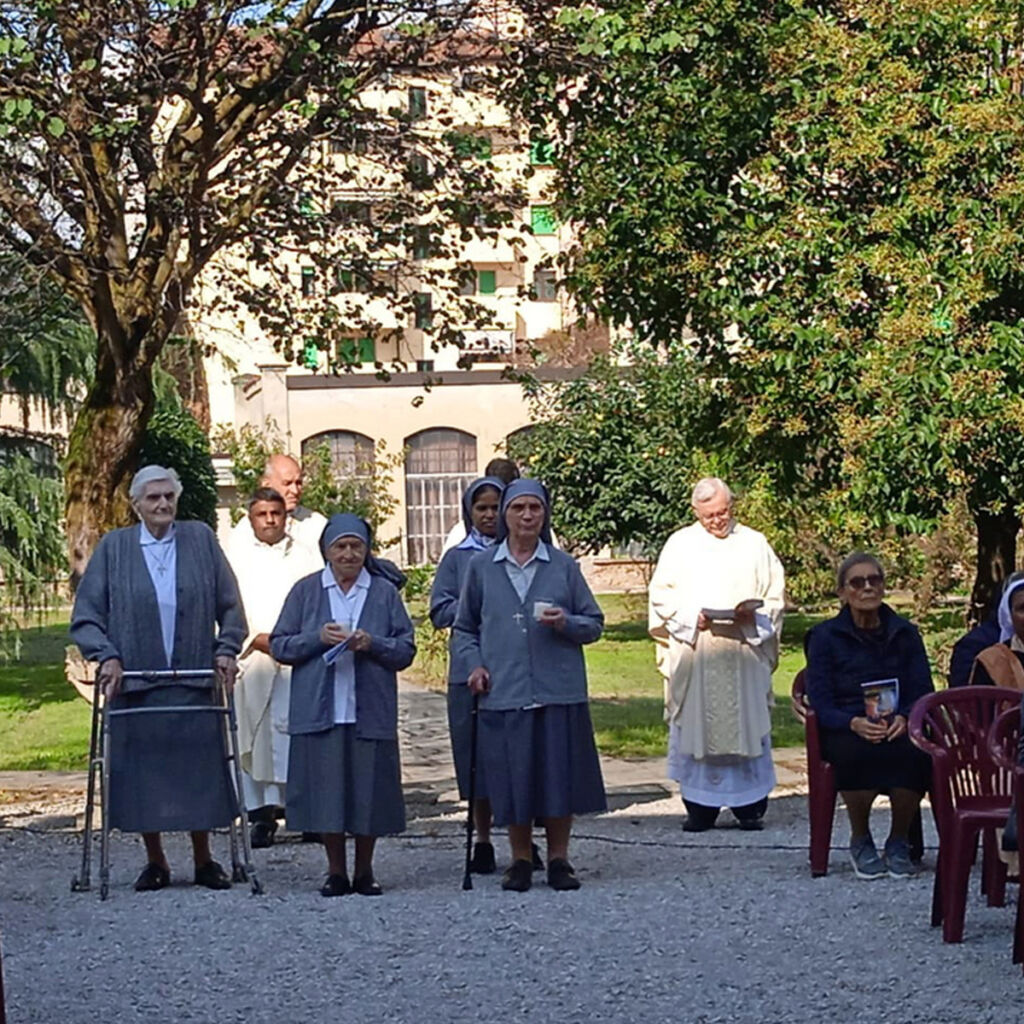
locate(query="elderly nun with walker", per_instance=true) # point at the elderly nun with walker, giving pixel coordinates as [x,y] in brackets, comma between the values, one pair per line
[159,609]
[346,634]
[524,615]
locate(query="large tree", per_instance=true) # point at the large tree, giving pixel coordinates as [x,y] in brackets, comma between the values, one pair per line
[143,144]
[829,196]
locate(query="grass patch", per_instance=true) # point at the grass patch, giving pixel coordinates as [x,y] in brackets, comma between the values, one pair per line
[44,724]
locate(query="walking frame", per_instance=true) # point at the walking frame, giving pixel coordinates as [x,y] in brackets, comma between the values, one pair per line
[99,769]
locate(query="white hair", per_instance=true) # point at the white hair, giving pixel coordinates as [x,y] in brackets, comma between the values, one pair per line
[147,475]
[707,487]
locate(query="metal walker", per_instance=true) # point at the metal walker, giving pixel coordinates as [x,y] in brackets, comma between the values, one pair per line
[99,767]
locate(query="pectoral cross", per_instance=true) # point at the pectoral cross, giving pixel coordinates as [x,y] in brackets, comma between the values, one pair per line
[519,618]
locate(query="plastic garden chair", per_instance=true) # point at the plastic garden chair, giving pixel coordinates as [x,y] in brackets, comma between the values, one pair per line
[1004,746]
[970,794]
[821,791]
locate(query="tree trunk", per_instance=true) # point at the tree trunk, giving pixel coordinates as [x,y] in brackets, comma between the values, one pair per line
[102,454]
[996,556]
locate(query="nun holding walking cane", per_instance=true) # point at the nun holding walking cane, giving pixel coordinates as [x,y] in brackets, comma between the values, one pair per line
[524,614]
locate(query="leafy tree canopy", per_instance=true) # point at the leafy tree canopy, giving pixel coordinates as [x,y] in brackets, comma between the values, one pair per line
[828,196]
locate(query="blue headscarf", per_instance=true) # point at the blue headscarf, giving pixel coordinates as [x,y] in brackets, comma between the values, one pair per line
[517,489]
[345,524]
[475,540]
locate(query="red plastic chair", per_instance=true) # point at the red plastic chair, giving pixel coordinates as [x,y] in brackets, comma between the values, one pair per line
[1004,746]
[970,794]
[821,785]
[821,791]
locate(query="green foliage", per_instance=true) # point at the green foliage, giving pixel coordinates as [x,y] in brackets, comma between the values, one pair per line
[830,197]
[32,559]
[174,439]
[249,449]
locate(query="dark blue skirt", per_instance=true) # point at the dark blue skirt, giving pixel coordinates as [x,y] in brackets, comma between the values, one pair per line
[338,782]
[168,771]
[860,764]
[540,763]
[460,728]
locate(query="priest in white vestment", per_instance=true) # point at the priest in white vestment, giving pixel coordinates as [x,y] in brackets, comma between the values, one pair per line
[718,659]
[267,562]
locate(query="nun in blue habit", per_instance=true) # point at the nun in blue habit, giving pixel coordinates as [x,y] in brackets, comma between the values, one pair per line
[524,614]
[480,505]
[344,775]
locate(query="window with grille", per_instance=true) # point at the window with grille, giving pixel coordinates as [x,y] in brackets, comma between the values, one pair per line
[308,281]
[352,454]
[439,466]
[544,286]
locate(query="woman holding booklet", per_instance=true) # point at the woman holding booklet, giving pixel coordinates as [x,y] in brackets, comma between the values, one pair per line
[865,669]
[346,633]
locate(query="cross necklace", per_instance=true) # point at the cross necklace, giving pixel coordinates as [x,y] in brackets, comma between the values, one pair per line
[162,564]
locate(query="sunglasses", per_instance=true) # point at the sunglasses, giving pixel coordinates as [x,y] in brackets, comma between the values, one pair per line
[875,580]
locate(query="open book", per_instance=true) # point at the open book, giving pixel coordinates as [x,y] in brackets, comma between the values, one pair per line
[729,614]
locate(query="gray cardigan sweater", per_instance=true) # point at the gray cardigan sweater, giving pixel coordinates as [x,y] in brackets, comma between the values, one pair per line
[528,663]
[295,641]
[116,614]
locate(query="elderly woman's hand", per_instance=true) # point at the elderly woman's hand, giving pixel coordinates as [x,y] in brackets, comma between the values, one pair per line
[479,680]
[873,732]
[109,677]
[360,640]
[897,728]
[227,671]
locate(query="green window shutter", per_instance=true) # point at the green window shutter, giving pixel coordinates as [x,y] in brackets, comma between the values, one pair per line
[311,354]
[308,279]
[542,220]
[367,350]
[417,102]
[347,280]
[423,311]
[486,283]
[542,153]
[421,243]
[306,205]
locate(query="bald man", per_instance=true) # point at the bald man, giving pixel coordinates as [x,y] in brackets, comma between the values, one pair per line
[283,474]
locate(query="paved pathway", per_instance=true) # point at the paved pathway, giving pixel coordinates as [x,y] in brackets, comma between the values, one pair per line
[56,799]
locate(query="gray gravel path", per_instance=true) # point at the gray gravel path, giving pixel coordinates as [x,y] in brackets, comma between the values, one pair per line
[723,926]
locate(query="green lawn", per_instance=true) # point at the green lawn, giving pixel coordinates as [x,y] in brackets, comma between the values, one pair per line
[44,724]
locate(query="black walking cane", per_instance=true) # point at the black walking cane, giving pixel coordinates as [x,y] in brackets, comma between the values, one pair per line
[467,878]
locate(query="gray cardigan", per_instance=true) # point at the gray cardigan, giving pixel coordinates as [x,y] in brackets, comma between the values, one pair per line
[528,663]
[116,614]
[295,640]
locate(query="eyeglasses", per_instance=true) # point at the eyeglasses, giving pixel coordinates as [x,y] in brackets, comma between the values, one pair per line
[874,581]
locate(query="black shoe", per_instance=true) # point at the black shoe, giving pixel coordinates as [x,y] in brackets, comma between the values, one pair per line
[518,876]
[261,834]
[538,860]
[366,885]
[153,877]
[311,837]
[483,862]
[561,876]
[752,824]
[692,824]
[336,885]
[212,876]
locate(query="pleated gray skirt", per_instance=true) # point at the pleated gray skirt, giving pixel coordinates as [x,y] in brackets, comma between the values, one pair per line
[169,771]
[338,782]
[460,728]
[540,763]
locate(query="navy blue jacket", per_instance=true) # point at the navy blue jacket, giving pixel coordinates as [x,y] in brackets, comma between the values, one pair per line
[968,647]
[528,663]
[295,641]
[840,658]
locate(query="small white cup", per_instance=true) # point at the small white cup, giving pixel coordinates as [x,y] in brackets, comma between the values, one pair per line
[540,607]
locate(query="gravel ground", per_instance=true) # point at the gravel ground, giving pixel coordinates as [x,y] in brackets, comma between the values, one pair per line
[724,926]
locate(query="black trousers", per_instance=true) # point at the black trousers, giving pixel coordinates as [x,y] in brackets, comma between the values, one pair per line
[702,814]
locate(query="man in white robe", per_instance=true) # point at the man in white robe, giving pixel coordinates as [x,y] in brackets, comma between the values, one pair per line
[718,659]
[283,474]
[266,562]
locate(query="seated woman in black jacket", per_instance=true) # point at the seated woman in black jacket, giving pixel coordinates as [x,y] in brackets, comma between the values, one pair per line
[865,669]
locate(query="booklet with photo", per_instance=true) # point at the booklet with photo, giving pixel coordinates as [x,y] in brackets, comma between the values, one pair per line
[881,699]
[729,614]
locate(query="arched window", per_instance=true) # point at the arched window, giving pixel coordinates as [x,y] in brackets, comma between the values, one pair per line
[439,466]
[351,452]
